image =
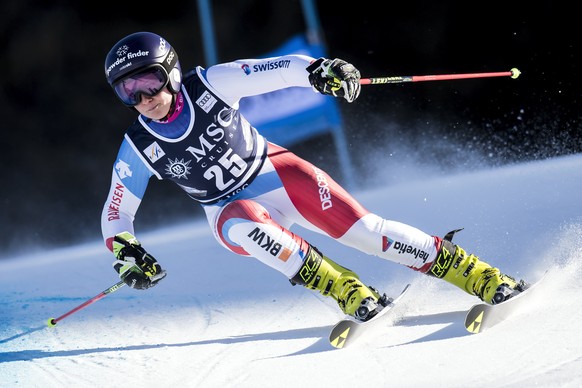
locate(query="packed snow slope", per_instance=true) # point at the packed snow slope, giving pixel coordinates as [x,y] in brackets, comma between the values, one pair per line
[219,320]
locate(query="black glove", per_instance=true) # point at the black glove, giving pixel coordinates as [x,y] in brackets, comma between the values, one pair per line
[137,268]
[335,77]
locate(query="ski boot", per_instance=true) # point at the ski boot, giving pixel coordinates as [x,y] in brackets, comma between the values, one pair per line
[469,273]
[330,279]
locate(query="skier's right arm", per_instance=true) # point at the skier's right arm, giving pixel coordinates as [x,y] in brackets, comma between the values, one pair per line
[129,181]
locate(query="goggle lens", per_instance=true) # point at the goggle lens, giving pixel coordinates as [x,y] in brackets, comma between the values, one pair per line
[149,83]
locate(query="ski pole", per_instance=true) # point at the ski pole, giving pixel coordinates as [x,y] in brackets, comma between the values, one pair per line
[52,322]
[513,73]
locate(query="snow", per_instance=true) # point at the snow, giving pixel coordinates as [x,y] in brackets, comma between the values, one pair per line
[220,320]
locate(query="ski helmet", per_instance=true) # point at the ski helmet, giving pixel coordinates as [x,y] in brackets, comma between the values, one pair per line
[139,52]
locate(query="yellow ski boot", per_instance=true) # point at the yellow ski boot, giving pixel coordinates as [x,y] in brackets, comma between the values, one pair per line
[469,273]
[330,279]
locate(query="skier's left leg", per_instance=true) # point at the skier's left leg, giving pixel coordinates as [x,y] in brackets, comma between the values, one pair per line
[468,272]
[326,207]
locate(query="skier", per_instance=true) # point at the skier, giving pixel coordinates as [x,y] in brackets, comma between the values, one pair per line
[189,131]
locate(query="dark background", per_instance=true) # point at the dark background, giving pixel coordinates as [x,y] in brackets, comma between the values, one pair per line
[62,125]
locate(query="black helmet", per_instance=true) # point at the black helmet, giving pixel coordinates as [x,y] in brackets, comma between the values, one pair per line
[141,51]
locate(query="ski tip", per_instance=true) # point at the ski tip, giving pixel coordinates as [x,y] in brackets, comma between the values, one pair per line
[340,341]
[474,325]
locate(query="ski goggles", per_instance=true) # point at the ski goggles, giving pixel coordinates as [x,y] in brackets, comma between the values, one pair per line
[149,82]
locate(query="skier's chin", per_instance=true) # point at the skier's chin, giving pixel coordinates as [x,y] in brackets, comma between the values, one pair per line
[155,112]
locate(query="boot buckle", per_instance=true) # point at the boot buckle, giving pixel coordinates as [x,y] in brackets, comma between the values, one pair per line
[367,306]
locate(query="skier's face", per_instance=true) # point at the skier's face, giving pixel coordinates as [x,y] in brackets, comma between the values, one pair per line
[155,107]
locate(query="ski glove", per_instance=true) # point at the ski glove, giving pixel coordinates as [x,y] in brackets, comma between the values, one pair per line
[335,77]
[137,268]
